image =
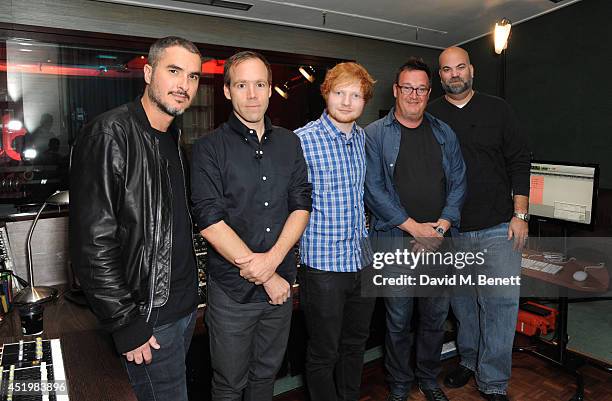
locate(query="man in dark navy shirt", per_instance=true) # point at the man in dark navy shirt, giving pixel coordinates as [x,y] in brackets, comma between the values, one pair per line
[252,201]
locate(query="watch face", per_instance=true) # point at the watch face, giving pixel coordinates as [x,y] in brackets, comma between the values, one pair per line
[522,216]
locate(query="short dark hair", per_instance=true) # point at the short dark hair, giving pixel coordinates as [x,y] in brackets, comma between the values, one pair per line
[157,48]
[239,58]
[414,64]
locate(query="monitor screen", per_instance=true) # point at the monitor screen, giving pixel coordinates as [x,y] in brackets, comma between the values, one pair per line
[563,191]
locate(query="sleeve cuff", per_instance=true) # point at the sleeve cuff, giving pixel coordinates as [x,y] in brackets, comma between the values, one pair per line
[398,221]
[451,214]
[305,204]
[522,190]
[132,336]
[209,220]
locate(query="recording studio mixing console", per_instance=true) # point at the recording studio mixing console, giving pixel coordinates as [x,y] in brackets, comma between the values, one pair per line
[33,371]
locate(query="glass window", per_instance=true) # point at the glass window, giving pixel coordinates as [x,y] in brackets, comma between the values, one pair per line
[49,91]
[52,84]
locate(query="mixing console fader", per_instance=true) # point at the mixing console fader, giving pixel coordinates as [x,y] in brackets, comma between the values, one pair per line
[33,370]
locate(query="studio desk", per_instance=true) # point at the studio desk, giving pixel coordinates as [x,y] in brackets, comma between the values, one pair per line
[94,371]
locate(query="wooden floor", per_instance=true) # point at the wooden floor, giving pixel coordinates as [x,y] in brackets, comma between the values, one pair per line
[532,380]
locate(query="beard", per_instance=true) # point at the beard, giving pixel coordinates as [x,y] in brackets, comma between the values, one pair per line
[343,119]
[166,108]
[454,89]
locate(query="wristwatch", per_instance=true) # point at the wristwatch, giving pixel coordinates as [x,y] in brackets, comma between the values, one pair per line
[440,231]
[522,216]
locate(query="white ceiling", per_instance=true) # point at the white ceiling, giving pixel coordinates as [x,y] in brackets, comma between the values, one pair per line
[431,23]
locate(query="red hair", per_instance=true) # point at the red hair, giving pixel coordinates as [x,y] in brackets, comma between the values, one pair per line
[345,73]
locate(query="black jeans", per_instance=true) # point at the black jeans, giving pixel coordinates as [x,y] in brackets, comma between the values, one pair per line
[247,345]
[338,323]
[400,337]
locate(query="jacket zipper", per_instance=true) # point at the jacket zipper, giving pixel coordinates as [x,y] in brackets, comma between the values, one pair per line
[154,267]
[171,234]
[180,132]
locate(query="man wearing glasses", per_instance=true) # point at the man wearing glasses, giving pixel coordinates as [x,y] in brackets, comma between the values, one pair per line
[415,186]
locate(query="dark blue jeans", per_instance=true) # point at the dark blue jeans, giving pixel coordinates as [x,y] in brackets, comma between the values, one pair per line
[487,321]
[429,333]
[164,378]
[247,345]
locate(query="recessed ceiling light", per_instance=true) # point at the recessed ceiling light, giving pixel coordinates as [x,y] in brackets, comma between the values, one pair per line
[234,5]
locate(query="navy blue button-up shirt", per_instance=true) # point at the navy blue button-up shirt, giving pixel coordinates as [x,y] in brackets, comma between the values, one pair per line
[252,186]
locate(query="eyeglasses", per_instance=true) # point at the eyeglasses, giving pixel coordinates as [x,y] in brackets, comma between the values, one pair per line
[407,90]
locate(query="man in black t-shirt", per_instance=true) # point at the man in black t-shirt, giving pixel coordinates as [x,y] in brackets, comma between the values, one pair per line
[130,228]
[415,185]
[494,218]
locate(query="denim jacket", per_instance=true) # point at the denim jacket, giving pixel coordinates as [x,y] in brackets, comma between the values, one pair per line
[382,147]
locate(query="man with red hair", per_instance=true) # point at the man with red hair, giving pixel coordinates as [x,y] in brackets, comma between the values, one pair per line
[334,248]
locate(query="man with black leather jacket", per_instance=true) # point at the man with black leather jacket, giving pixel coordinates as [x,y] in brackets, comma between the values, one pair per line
[130,227]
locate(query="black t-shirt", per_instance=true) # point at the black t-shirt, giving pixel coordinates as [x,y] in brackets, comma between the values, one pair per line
[419,176]
[495,154]
[183,298]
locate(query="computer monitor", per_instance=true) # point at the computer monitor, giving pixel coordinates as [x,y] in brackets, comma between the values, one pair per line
[565,192]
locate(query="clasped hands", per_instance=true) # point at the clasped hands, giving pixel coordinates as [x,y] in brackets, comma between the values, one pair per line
[426,238]
[260,268]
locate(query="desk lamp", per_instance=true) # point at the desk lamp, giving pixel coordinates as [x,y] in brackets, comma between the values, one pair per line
[34,294]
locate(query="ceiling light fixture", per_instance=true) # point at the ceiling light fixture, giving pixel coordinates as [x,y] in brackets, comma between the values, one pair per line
[501,34]
[284,89]
[307,72]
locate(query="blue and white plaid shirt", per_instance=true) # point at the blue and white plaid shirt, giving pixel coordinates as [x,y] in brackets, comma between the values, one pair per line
[336,236]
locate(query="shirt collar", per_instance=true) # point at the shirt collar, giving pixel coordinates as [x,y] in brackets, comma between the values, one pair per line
[141,115]
[390,118]
[332,129]
[241,129]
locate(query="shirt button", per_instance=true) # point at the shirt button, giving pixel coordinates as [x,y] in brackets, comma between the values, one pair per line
[267,229]
[265,203]
[391,165]
[250,131]
[264,178]
[245,139]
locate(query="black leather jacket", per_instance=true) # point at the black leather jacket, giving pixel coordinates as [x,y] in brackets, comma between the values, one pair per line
[120,218]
